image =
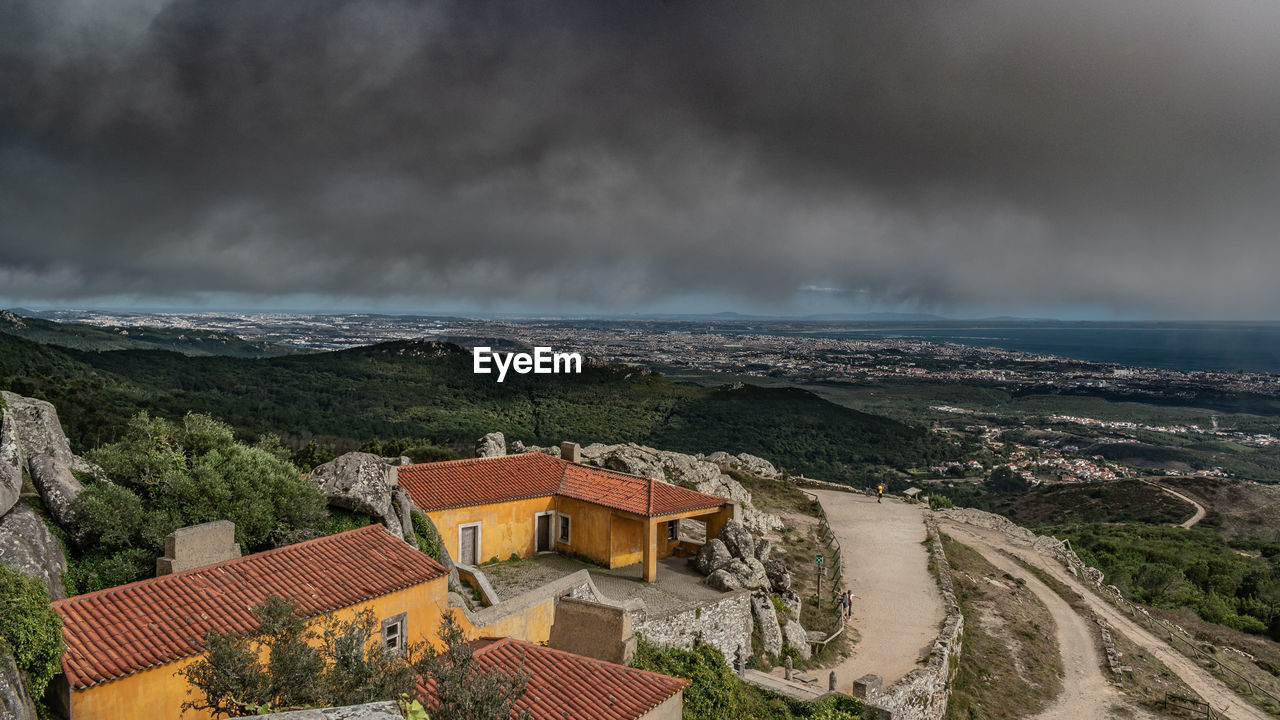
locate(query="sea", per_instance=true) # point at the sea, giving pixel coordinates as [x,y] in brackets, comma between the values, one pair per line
[1211,346]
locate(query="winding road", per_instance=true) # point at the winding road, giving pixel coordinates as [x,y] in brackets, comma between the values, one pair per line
[1196,517]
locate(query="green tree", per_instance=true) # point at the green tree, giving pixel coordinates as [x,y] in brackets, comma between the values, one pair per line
[309,663]
[459,689]
[165,475]
[713,693]
[31,630]
[1004,480]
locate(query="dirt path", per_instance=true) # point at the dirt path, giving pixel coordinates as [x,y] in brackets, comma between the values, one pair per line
[1085,690]
[1197,678]
[1196,517]
[899,608]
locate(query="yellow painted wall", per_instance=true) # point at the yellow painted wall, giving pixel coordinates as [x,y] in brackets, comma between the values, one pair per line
[505,527]
[531,623]
[159,692]
[588,530]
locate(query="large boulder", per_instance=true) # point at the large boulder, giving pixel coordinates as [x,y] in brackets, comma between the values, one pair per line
[37,432]
[766,617]
[756,465]
[57,485]
[10,466]
[27,546]
[795,636]
[491,445]
[764,549]
[779,576]
[15,703]
[711,557]
[749,573]
[738,539]
[724,581]
[361,482]
[791,601]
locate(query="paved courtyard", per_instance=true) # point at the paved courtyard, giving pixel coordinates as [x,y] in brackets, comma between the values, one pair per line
[678,585]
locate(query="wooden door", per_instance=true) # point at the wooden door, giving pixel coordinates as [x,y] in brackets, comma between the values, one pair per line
[467,553]
[542,533]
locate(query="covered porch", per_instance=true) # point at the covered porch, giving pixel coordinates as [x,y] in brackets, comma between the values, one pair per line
[661,537]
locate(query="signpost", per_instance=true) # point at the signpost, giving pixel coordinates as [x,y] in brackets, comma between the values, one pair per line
[817,559]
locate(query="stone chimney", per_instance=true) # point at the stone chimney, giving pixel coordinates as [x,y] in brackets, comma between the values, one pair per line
[570,451]
[197,545]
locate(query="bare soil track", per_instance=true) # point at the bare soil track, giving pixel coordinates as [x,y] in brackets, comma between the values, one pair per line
[1088,694]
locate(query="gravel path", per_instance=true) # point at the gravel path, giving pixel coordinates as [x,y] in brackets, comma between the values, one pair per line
[1085,690]
[899,609]
[1213,691]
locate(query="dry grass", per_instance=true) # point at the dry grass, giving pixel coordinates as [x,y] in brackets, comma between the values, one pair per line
[1009,666]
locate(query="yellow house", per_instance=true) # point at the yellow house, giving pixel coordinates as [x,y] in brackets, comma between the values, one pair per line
[126,644]
[493,508]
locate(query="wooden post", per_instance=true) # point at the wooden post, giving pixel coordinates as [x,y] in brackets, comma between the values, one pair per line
[650,550]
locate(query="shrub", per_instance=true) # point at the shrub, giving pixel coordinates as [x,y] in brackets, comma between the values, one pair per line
[713,693]
[31,631]
[166,475]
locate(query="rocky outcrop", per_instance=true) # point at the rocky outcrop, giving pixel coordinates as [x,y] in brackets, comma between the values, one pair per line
[691,471]
[37,432]
[794,634]
[27,546]
[764,549]
[738,539]
[779,576]
[724,581]
[58,487]
[15,704]
[491,445]
[361,482]
[743,461]
[712,556]
[10,466]
[766,617]
[731,560]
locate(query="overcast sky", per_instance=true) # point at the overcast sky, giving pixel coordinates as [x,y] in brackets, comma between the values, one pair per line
[1090,158]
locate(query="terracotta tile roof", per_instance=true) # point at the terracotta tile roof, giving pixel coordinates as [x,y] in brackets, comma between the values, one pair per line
[462,483]
[119,631]
[479,481]
[562,684]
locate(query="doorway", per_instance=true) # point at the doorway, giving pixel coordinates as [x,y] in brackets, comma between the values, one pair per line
[542,533]
[469,544]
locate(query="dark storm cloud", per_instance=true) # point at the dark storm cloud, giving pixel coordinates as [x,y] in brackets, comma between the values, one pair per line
[1120,155]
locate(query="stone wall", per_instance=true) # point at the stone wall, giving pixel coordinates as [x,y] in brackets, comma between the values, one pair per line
[724,623]
[923,693]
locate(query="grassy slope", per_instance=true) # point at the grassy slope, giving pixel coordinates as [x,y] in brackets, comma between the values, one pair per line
[428,390]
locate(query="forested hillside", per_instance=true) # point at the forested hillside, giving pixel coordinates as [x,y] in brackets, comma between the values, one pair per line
[427,391]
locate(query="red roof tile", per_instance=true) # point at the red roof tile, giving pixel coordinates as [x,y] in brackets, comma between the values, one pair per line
[562,684]
[462,483]
[119,631]
[479,481]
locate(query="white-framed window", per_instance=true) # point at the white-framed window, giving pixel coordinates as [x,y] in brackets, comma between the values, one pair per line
[563,527]
[393,633]
[673,530]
